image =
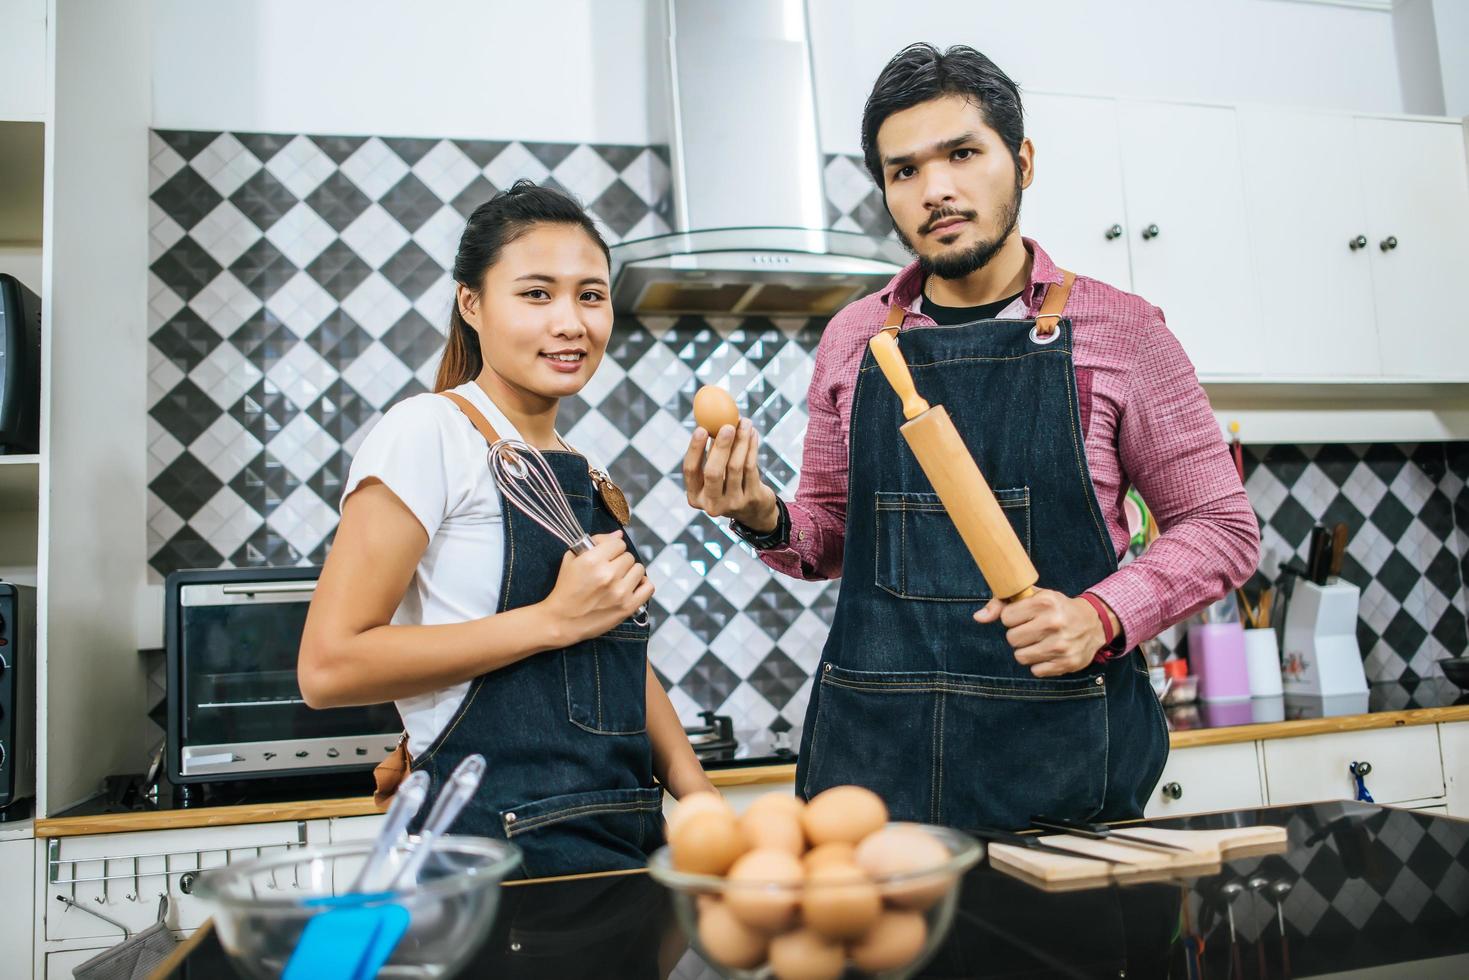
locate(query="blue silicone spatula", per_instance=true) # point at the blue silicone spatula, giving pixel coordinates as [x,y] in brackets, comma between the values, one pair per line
[335,944]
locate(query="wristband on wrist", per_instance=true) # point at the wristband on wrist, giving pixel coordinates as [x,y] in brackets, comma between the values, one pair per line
[1108,634]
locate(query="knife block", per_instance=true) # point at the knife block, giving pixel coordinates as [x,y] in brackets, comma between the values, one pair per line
[1321,652]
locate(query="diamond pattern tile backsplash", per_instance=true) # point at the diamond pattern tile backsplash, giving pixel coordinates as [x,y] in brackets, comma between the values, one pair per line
[299,287]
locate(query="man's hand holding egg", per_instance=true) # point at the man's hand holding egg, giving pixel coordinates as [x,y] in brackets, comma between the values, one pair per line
[722,477]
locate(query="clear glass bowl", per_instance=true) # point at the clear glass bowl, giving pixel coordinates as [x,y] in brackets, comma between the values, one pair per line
[261,907]
[929,892]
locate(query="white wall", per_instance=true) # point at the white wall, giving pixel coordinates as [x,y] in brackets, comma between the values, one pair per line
[559,70]
[1298,54]
[24,263]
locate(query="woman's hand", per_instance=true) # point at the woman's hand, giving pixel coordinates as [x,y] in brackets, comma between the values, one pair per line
[725,481]
[596,590]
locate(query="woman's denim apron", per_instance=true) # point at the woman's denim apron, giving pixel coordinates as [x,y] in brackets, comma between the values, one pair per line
[913,698]
[569,766]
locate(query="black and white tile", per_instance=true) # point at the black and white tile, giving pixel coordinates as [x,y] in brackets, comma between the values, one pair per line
[299,285]
[1407,548]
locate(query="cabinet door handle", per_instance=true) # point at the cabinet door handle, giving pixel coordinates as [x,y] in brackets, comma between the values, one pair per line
[1357,243]
[1360,771]
[186,882]
[1114,233]
[1150,232]
[1172,791]
[1388,244]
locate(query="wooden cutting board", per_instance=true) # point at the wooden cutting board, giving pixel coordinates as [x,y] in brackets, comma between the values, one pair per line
[1119,862]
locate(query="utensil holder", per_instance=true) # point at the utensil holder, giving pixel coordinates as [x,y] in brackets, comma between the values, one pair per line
[1216,653]
[1262,657]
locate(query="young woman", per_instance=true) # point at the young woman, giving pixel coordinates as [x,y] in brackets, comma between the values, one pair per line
[489,635]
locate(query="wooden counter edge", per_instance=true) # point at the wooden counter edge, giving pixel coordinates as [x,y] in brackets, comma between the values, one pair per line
[1302,727]
[225,816]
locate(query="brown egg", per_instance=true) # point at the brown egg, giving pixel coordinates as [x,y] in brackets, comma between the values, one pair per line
[780,802]
[774,828]
[715,408]
[706,843]
[833,852]
[728,940]
[894,941]
[764,887]
[806,955]
[905,849]
[843,813]
[696,803]
[840,902]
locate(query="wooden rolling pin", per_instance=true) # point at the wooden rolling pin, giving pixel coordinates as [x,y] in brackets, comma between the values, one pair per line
[956,478]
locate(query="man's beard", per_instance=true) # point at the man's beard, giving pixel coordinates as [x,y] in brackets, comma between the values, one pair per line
[957,265]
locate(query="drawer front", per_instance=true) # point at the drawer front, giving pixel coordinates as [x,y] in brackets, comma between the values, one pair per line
[59,965]
[122,875]
[350,829]
[1208,778]
[1405,766]
[1454,740]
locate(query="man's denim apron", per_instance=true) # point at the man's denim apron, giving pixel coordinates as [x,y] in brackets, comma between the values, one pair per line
[569,766]
[913,698]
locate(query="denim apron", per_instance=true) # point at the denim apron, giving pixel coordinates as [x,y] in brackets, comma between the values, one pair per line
[569,765]
[914,699]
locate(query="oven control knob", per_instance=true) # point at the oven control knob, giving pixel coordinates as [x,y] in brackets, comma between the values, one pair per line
[269,756]
[332,753]
[2,755]
[361,750]
[302,754]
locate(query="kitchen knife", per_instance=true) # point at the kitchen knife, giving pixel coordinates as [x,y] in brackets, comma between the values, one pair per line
[956,478]
[1036,844]
[1338,549]
[1100,831]
[1316,555]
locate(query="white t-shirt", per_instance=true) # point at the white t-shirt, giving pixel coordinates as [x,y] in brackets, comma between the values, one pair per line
[428,453]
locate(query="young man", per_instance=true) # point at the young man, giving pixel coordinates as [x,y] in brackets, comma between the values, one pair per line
[1067,391]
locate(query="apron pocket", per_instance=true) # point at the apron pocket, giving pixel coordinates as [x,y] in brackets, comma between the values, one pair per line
[963,749]
[1015,748]
[606,681]
[601,830]
[918,546]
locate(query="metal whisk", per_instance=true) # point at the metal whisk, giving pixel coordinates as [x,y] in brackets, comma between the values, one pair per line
[525,479]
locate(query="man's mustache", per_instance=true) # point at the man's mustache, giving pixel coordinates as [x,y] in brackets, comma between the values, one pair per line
[945,214]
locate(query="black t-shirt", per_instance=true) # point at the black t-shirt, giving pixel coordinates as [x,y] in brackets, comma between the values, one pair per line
[949,316]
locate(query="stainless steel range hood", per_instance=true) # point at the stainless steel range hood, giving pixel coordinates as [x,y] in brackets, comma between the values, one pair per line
[750,215]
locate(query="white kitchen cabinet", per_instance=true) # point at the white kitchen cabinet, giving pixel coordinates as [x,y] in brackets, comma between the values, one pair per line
[22,59]
[1416,186]
[122,875]
[1405,766]
[1074,207]
[59,965]
[17,898]
[1187,231]
[1208,778]
[1309,244]
[1453,743]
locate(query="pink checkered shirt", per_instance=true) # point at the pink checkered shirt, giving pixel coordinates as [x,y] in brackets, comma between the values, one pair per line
[1147,424]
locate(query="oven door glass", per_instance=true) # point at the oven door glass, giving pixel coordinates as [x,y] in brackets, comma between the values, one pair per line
[239,679]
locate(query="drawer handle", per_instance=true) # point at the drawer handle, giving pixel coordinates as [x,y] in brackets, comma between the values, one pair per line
[1172,791]
[186,882]
[1360,771]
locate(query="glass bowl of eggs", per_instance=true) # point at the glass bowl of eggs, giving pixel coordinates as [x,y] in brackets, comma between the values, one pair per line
[792,890]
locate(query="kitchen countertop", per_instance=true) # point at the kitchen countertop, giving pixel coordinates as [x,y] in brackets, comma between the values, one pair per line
[1385,706]
[1361,888]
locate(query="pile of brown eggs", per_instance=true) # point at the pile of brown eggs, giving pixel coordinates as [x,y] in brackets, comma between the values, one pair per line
[809,887]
